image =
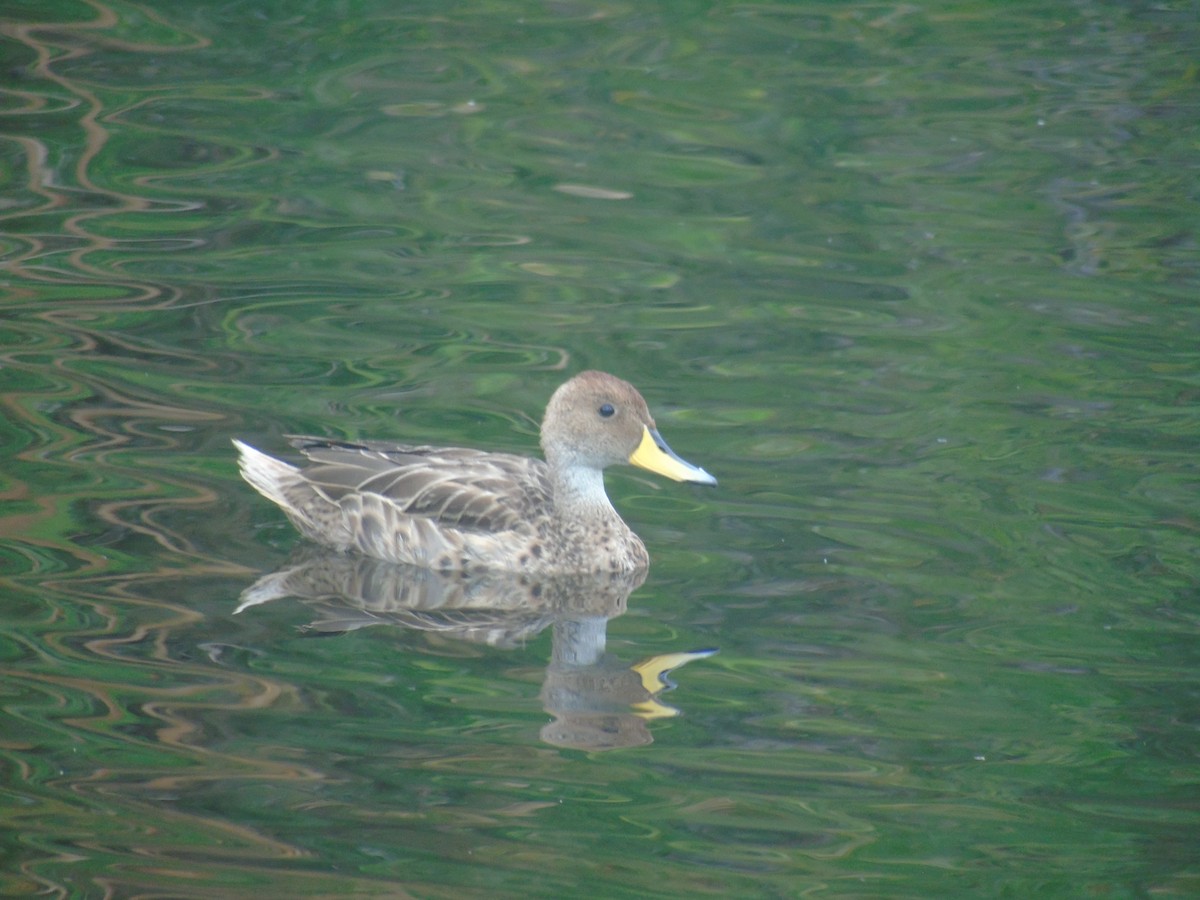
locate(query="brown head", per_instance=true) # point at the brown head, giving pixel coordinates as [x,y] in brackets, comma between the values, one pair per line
[597,420]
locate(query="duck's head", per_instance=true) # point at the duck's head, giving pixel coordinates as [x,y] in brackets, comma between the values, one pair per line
[597,420]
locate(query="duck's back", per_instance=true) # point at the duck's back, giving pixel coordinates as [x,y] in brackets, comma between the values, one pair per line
[472,490]
[439,507]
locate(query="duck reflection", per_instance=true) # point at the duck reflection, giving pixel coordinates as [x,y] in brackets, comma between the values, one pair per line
[598,701]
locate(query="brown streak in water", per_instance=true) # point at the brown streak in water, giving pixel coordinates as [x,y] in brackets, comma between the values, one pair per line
[146,500]
[218,766]
[95,137]
[104,419]
[154,812]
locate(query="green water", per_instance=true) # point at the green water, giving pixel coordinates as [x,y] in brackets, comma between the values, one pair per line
[917,283]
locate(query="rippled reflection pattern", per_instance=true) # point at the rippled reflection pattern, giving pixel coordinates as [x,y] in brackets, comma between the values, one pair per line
[598,702]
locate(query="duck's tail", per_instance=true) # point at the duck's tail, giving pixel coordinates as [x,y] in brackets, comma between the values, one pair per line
[266,474]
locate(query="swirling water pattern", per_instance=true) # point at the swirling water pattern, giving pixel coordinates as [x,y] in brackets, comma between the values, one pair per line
[917,283]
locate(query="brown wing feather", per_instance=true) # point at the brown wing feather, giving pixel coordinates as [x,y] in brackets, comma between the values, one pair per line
[471,490]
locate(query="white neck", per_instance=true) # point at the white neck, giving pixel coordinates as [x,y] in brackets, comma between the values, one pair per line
[581,488]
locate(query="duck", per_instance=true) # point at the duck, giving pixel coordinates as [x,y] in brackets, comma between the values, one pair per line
[453,509]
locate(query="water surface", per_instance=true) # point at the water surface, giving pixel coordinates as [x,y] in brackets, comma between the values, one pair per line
[917,283]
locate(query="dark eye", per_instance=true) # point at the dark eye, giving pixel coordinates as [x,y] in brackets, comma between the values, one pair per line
[606,410]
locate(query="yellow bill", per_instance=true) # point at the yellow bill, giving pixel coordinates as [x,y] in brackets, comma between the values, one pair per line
[654,454]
